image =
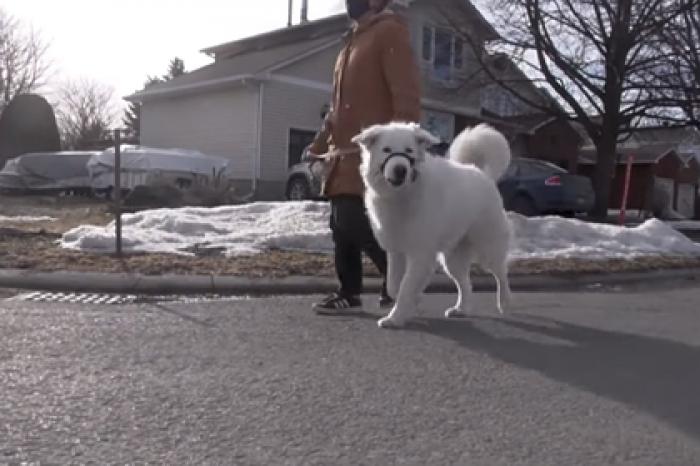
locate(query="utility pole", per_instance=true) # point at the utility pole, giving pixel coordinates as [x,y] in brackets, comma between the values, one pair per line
[304,11]
[117,192]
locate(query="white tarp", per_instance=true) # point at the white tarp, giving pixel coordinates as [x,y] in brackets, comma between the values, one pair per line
[47,171]
[138,162]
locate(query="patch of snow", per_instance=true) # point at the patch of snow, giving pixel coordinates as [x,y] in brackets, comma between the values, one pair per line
[253,228]
[556,237]
[241,230]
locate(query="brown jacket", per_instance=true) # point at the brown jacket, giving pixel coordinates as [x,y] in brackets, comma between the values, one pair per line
[375,80]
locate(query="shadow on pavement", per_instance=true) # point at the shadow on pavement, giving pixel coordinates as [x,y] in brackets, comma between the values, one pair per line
[659,377]
[182,315]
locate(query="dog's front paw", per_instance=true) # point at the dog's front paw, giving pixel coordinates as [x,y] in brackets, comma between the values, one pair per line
[390,323]
[456,313]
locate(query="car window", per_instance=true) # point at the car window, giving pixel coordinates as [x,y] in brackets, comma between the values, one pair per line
[512,171]
[538,168]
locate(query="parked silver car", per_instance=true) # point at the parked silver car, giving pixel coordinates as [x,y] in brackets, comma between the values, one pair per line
[302,182]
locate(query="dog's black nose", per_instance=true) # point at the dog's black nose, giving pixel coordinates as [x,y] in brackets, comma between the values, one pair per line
[400,173]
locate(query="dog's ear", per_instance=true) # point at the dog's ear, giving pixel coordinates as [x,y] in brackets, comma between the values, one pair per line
[424,138]
[368,137]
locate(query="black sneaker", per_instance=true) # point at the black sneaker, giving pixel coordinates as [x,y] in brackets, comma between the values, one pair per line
[385,301]
[335,302]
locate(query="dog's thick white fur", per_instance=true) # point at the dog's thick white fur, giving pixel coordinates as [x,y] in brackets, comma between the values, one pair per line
[423,208]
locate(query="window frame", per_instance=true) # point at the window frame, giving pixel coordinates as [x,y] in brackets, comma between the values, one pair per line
[303,132]
[455,71]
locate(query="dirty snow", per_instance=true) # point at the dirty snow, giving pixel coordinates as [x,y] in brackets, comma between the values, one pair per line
[303,226]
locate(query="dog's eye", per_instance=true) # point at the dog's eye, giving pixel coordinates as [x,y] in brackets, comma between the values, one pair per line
[409,150]
[387,150]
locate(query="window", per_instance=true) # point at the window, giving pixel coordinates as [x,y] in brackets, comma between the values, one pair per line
[443,50]
[427,49]
[458,53]
[298,141]
[501,102]
[512,171]
[440,124]
[442,61]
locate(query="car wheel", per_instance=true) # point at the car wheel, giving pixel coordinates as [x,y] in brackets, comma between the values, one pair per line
[298,189]
[524,205]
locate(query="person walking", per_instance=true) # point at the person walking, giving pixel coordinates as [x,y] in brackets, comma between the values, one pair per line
[375,80]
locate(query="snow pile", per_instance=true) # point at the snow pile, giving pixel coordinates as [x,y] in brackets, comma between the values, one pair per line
[240,230]
[556,237]
[303,226]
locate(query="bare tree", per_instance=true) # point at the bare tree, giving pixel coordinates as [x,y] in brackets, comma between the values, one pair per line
[23,62]
[86,111]
[600,58]
[682,73]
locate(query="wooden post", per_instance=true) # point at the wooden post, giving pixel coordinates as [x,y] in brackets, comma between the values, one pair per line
[117,192]
[625,192]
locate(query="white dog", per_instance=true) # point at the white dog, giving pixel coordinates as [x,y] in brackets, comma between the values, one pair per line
[424,208]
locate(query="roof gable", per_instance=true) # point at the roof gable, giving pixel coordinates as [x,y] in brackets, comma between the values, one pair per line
[253,57]
[312,30]
[326,26]
[237,68]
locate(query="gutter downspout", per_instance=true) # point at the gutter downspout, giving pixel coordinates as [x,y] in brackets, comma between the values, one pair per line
[258,145]
[256,154]
[304,11]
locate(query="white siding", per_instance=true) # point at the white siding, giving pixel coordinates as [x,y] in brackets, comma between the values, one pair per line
[318,67]
[286,106]
[220,123]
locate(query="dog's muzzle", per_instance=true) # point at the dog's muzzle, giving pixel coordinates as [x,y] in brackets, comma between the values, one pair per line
[395,168]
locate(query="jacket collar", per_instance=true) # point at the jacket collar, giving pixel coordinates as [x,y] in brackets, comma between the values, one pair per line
[362,26]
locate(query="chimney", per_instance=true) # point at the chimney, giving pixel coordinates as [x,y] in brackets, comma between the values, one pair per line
[304,11]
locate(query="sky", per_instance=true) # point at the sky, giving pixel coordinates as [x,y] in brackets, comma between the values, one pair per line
[120,43]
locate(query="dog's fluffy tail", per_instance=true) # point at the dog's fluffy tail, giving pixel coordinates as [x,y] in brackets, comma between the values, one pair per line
[484,147]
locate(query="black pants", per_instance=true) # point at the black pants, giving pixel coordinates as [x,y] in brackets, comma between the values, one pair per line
[352,236]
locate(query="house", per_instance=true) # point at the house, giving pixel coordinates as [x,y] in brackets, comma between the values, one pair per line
[556,140]
[262,99]
[686,199]
[665,169]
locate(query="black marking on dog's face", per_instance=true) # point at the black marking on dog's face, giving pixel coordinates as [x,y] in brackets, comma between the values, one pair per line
[396,167]
[393,153]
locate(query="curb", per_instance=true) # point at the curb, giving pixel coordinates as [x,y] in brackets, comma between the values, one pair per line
[213,284]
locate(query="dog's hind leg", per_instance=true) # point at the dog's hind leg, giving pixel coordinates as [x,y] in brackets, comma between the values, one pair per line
[492,246]
[457,265]
[418,271]
[500,273]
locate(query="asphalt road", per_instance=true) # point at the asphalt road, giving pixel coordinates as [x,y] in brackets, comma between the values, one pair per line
[566,379]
